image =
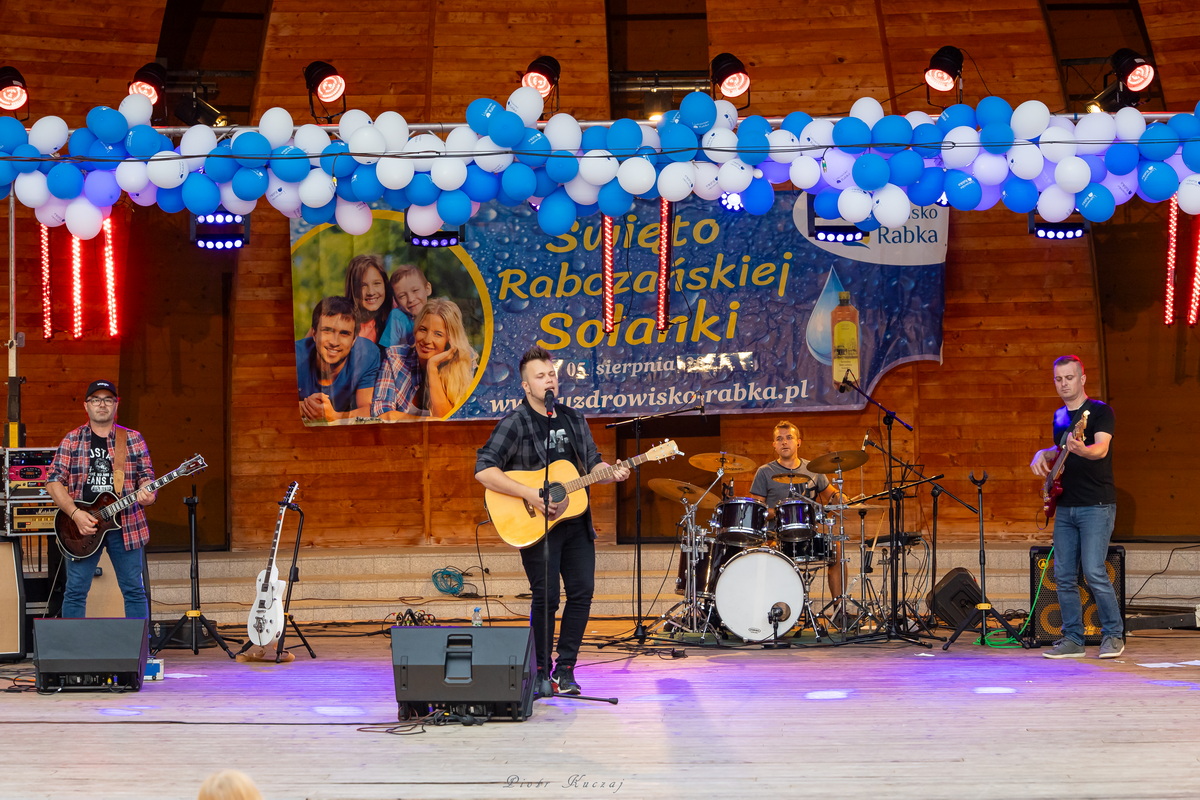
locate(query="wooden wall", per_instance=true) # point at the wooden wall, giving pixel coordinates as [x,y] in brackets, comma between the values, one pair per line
[1171,25]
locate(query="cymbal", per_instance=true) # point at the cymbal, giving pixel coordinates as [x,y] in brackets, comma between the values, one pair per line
[730,462]
[681,490]
[791,478]
[840,459]
[856,507]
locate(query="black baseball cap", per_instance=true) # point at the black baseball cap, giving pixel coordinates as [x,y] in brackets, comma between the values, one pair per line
[96,386]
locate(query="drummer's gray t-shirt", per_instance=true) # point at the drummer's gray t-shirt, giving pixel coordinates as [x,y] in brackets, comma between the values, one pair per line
[775,493]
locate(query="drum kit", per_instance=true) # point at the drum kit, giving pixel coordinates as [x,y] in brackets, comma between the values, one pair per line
[749,568]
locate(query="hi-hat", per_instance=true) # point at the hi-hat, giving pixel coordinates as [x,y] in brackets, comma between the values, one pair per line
[730,462]
[841,459]
[791,478]
[681,490]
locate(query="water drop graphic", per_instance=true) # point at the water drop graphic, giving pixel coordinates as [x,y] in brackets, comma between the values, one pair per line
[819,335]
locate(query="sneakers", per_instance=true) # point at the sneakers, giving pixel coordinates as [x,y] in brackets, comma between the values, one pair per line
[564,680]
[1066,648]
[1112,646]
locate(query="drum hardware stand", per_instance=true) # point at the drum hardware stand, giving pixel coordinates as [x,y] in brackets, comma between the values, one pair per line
[983,609]
[869,609]
[810,614]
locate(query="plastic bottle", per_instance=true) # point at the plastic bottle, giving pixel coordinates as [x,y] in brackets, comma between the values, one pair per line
[843,322]
[477,618]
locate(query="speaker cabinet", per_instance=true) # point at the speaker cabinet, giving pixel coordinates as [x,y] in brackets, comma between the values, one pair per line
[13,643]
[955,596]
[90,654]
[480,672]
[1045,625]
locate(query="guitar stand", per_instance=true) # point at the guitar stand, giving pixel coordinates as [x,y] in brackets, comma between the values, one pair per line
[288,618]
[198,621]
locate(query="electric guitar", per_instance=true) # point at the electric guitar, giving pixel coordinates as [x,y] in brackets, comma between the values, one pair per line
[77,545]
[1052,486]
[266,616]
[521,524]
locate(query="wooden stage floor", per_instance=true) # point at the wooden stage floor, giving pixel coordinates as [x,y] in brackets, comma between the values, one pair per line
[883,720]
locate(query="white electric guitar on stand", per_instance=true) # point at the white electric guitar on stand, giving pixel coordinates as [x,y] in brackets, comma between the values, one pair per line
[266,616]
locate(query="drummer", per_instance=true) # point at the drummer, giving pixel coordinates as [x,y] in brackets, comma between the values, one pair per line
[787,447]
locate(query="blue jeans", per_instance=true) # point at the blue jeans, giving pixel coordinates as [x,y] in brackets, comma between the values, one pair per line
[127,564]
[573,556]
[1081,537]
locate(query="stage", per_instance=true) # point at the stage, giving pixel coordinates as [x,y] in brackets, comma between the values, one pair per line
[888,719]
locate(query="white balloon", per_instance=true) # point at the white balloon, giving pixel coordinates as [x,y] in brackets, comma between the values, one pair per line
[636,175]
[1094,133]
[598,167]
[1029,119]
[234,204]
[891,205]
[394,128]
[353,217]
[805,172]
[527,103]
[916,118]
[582,191]
[137,109]
[166,169]
[351,121]
[650,137]
[1072,174]
[816,137]
[276,124]
[1055,205]
[838,168]
[429,146]
[854,205]
[147,196]
[1057,144]
[394,173]
[461,143]
[52,213]
[785,146]
[990,169]
[1025,160]
[447,173]
[727,115]
[49,134]
[197,142]
[1123,187]
[1189,195]
[317,189]
[677,180]
[367,144]
[132,175]
[734,175]
[1130,124]
[83,219]
[423,220]
[720,144]
[313,140]
[491,157]
[1061,122]
[960,148]
[705,183]
[281,194]
[868,109]
[564,132]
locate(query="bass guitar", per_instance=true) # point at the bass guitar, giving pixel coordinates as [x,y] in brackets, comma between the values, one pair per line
[1052,486]
[521,524]
[266,616]
[78,545]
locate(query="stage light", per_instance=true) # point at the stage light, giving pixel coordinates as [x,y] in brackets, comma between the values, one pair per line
[150,80]
[442,238]
[945,69]
[729,75]
[826,230]
[220,230]
[13,93]
[1132,69]
[194,110]
[326,85]
[731,201]
[656,103]
[542,74]
[1059,231]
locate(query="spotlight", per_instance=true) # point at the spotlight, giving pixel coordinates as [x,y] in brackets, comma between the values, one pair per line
[443,238]
[1113,98]
[731,201]
[729,75]
[151,81]
[945,69]
[542,74]
[1132,69]
[656,103]
[13,94]
[220,230]
[326,85]
[194,110]
[1071,228]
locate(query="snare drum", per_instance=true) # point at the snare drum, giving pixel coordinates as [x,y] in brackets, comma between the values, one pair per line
[741,521]
[795,520]
[707,568]
[751,584]
[816,548]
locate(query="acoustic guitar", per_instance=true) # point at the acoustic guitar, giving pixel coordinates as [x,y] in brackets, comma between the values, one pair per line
[266,615]
[521,524]
[1052,485]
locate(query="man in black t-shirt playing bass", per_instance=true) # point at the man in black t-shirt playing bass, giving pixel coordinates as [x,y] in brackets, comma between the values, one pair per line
[1087,508]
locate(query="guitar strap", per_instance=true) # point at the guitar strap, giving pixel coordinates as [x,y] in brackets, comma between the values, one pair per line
[1075,419]
[120,454]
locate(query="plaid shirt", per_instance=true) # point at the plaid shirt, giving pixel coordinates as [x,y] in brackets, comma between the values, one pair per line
[70,468]
[396,388]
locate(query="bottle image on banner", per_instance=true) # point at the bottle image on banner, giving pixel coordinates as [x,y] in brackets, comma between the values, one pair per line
[819,334]
[843,323]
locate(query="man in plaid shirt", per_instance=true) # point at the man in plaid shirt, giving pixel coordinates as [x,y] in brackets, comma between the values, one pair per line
[82,472]
[518,442]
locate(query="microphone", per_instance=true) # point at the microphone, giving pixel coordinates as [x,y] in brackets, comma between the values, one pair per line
[866,439]
[779,612]
[846,381]
[549,401]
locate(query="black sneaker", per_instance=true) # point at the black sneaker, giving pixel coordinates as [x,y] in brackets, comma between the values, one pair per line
[564,680]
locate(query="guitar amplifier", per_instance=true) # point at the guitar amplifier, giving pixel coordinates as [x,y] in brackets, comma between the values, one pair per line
[25,472]
[1045,614]
[30,517]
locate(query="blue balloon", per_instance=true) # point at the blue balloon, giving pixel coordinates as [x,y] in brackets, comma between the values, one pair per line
[905,168]
[586,211]
[170,200]
[289,163]
[506,129]
[962,190]
[754,124]
[1158,142]
[649,153]
[108,124]
[142,141]
[795,122]
[1096,164]
[545,184]
[27,151]
[1121,158]
[652,193]
[870,171]
[993,111]
[869,224]
[480,112]
[421,190]
[219,164]
[927,140]
[852,135]
[557,213]
[319,216]
[1018,195]
[395,198]
[365,183]
[105,156]
[44,167]
[65,181]
[996,138]
[344,188]
[825,204]
[698,111]
[249,183]
[8,173]
[200,194]
[454,207]
[80,142]
[891,134]
[758,197]
[534,148]
[252,149]
[505,200]
[624,138]
[5,189]
[1187,126]
[594,138]
[1157,181]
[518,182]
[562,166]
[1191,155]
[480,184]
[101,189]
[614,201]
[753,147]
[12,134]
[335,161]
[928,188]
[956,116]
[1096,203]
[669,117]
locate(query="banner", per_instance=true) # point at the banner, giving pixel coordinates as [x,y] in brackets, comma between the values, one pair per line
[762,316]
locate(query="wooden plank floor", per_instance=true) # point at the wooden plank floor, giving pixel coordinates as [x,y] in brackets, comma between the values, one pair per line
[884,720]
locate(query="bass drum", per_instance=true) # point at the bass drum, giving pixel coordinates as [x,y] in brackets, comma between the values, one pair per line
[751,584]
[707,567]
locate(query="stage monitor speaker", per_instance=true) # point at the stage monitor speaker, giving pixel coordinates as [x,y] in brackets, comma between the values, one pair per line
[13,642]
[955,596]
[1045,614]
[474,673]
[90,654]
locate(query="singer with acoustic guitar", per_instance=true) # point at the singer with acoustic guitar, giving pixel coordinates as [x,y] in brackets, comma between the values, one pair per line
[97,459]
[518,442]
[1085,511]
